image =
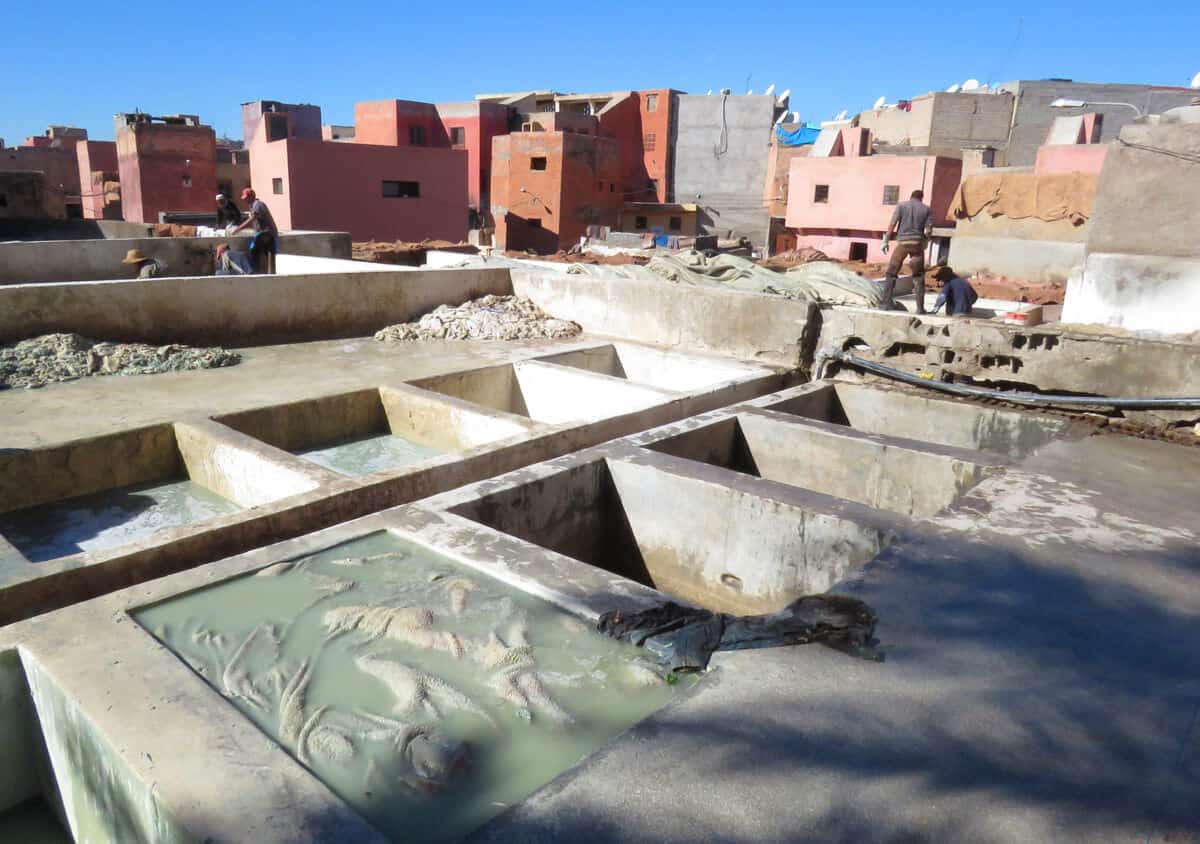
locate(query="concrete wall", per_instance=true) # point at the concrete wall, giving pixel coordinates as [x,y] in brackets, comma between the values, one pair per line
[1157,294]
[34,262]
[1070,158]
[754,327]
[1033,260]
[721,149]
[1033,116]
[239,310]
[943,123]
[25,195]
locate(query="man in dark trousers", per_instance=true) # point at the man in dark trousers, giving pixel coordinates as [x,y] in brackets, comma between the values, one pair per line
[265,243]
[957,293]
[911,225]
[228,214]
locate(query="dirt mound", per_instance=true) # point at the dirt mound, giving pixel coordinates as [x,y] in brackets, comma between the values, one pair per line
[400,251]
[583,258]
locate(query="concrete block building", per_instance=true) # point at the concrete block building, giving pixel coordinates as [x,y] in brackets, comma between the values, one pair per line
[165,164]
[375,188]
[842,203]
[549,187]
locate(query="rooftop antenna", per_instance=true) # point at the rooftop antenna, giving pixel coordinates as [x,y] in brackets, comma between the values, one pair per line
[879,103]
[1195,82]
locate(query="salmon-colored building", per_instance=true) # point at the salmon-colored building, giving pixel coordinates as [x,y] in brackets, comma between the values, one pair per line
[99,176]
[53,154]
[548,187]
[166,164]
[375,191]
[842,203]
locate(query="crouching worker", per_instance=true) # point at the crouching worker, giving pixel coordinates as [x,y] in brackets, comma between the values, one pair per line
[957,293]
[232,261]
[265,244]
[146,267]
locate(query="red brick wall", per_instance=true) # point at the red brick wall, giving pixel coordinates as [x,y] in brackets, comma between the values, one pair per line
[166,167]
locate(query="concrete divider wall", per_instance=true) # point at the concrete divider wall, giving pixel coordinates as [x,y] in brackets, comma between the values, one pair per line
[239,310]
[1036,260]
[1153,293]
[37,262]
[760,327]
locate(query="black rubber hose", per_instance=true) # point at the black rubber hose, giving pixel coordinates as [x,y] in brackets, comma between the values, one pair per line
[1037,399]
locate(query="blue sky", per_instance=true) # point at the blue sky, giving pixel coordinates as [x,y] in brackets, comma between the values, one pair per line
[80,63]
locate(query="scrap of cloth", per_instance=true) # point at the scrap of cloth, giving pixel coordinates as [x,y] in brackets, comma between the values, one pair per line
[684,638]
[1018,196]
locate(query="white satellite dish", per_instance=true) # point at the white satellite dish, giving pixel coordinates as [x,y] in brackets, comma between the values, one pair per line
[783,118]
[783,98]
[879,102]
[841,115]
[709,94]
[970,85]
[795,117]
[953,89]
[770,90]
[1195,81]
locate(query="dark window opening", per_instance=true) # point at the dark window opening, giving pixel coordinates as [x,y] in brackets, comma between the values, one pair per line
[458,136]
[402,190]
[416,136]
[534,224]
[74,211]
[3,200]
[277,127]
[277,186]
[652,187]
[187,180]
[639,223]
[891,194]
[675,224]
[537,163]
[858,251]
[612,187]
[821,193]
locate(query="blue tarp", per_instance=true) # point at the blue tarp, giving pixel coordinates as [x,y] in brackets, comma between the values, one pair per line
[803,136]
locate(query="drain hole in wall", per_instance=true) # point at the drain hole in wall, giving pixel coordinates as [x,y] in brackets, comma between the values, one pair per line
[732,581]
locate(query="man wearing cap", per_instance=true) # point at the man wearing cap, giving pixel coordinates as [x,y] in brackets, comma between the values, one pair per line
[264,243]
[146,267]
[228,214]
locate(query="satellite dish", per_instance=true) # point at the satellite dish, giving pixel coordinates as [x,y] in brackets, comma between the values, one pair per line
[953,89]
[841,115]
[750,93]
[783,98]
[782,119]
[709,94]
[970,85]
[1195,81]
[879,102]
[770,90]
[795,117]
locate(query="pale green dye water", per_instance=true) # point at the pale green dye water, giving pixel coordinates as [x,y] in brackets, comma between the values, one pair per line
[369,454]
[32,822]
[110,518]
[601,683]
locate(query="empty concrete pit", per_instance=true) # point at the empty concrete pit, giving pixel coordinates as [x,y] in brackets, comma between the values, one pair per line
[106,492]
[902,413]
[375,430]
[700,534]
[546,392]
[654,367]
[879,472]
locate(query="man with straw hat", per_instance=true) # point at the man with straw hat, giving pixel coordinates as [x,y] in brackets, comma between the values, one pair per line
[146,267]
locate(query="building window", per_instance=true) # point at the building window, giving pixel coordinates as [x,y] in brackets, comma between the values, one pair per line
[858,251]
[277,127]
[652,102]
[534,224]
[649,141]
[277,186]
[458,136]
[612,187]
[537,163]
[675,224]
[639,223]
[187,180]
[416,136]
[891,194]
[3,200]
[821,193]
[402,190]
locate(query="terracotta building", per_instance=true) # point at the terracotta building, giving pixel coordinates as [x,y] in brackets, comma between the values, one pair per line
[841,198]
[53,154]
[166,164]
[100,192]
[375,191]
[548,187]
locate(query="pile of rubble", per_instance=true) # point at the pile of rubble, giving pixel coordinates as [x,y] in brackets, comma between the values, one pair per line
[66,357]
[489,318]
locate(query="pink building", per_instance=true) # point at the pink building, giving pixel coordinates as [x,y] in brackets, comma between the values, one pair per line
[374,191]
[166,164]
[842,203]
[100,194]
[1072,146]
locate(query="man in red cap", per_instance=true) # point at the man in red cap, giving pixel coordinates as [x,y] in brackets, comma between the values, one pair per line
[265,242]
